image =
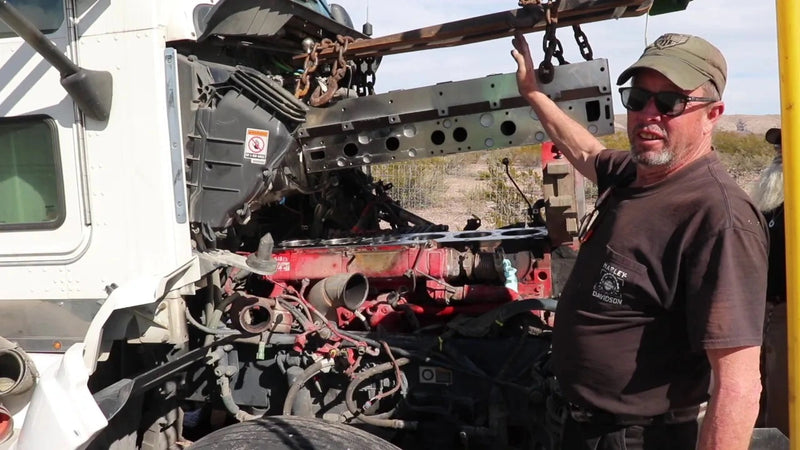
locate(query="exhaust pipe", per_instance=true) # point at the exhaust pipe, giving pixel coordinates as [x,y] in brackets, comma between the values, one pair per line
[345,289]
[17,372]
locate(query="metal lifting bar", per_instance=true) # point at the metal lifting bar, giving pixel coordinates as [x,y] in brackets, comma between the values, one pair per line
[481,28]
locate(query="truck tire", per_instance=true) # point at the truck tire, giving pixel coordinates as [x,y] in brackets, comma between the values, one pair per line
[291,433]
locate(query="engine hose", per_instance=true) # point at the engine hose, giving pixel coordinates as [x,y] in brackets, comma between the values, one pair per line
[375,420]
[205,329]
[298,384]
[216,315]
[274,339]
[373,342]
[323,320]
[227,400]
[296,313]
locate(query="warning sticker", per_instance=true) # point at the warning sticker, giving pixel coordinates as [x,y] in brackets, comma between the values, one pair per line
[255,145]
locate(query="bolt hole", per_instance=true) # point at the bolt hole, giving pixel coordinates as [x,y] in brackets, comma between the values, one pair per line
[437,137]
[392,144]
[350,149]
[460,134]
[542,276]
[508,128]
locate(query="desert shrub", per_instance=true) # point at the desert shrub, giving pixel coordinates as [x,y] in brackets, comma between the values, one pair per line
[617,141]
[419,184]
[507,205]
[525,156]
[415,184]
[743,152]
[467,158]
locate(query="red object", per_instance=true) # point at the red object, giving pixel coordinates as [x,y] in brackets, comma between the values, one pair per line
[6,424]
[414,284]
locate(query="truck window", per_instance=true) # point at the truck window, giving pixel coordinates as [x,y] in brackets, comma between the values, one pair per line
[31,194]
[47,15]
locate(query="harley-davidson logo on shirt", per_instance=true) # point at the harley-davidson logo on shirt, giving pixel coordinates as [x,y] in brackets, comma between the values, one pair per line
[608,289]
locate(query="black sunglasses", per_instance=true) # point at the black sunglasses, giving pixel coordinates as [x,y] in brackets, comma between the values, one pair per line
[668,103]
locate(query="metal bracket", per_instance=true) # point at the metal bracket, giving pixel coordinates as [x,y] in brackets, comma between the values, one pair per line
[214,259]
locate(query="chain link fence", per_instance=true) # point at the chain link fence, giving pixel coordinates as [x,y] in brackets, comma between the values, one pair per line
[417,184]
[507,205]
[424,187]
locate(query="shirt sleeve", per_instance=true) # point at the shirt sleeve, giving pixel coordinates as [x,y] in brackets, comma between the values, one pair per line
[614,168]
[726,287]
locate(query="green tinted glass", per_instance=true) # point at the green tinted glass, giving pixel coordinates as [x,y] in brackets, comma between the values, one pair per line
[30,181]
[46,15]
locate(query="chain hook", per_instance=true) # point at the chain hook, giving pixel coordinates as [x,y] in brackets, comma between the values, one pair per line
[550,43]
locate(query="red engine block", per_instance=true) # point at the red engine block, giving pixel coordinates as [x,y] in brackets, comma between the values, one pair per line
[426,270]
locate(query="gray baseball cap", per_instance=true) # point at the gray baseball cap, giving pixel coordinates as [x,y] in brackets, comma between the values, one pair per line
[688,61]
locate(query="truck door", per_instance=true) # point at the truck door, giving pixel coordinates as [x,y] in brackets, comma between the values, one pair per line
[42,214]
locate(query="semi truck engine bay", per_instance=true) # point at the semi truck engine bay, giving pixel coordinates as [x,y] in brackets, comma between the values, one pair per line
[319,296]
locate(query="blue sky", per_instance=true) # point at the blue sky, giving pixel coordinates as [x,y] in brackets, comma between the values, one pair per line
[744,30]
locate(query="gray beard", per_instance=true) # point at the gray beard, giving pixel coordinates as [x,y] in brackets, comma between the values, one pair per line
[660,159]
[767,193]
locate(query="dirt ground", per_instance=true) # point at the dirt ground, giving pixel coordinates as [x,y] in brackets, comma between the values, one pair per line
[457,206]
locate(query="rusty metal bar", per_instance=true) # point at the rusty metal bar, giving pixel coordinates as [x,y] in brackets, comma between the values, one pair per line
[481,28]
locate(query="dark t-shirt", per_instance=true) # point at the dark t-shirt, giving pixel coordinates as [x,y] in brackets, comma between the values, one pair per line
[776,280]
[668,271]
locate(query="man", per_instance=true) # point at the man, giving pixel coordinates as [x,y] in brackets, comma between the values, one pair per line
[768,196]
[669,282]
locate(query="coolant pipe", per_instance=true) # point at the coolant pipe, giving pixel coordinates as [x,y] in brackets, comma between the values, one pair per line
[345,289]
[17,371]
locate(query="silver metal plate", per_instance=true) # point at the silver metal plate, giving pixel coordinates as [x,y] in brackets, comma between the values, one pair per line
[457,117]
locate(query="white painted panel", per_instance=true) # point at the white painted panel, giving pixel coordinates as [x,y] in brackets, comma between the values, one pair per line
[133,231]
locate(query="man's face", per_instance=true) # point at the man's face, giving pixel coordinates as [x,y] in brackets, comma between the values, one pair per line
[658,140]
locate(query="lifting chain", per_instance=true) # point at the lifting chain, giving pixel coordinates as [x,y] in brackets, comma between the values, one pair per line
[528,4]
[364,77]
[551,45]
[583,43]
[309,67]
[322,96]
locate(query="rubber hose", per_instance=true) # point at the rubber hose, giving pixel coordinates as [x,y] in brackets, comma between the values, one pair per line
[299,383]
[375,420]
